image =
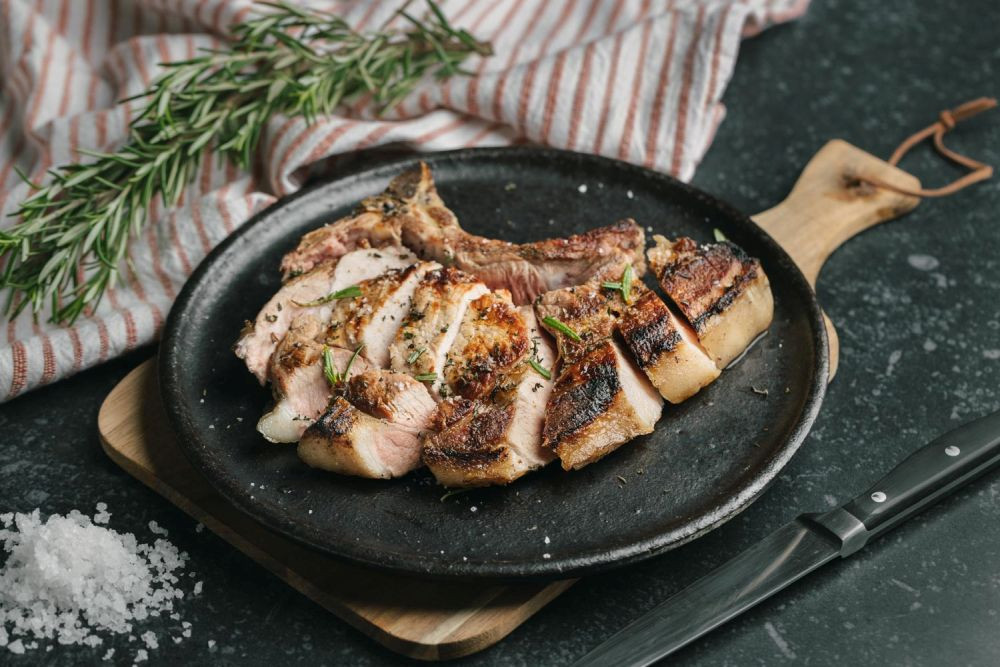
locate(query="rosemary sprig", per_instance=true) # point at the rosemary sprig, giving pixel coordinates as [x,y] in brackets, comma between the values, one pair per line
[415,355]
[333,376]
[561,328]
[426,377]
[72,238]
[351,292]
[624,285]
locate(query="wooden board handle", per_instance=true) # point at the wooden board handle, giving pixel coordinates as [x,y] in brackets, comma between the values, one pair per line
[831,202]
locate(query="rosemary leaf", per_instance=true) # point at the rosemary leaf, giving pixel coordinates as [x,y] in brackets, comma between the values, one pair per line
[426,377]
[541,370]
[719,236]
[351,292]
[561,328]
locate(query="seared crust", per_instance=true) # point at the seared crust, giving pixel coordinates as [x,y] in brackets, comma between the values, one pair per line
[587,309]
[377,222]
[722,292]
[598,404]
[432,323]
[645,327]
[492,340]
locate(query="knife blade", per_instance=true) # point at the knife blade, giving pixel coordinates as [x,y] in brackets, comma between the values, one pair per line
[804,545]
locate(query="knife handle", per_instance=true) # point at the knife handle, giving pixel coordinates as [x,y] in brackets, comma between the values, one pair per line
[930,473]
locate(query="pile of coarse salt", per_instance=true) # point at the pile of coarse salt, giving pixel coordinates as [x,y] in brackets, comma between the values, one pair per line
[70,580]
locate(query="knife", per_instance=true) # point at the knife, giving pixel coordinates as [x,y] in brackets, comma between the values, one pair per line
[806,544]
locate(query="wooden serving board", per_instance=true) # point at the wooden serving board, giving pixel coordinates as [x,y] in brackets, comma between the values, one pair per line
[830,203]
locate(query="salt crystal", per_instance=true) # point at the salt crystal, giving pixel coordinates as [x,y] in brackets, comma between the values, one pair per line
[582,189]
[197,587]
[141,655]
[66,579]
[629,194]
[157,529]
[473,508]
[199,527]
[547,540]
[110,654]
[150,639]
[211,644]
[546,556]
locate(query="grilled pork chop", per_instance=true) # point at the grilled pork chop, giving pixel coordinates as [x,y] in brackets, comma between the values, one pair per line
[492,339]
[301,391]
[373,430]
[410,211]
[259,339]
[663,346]
[432,325]
[496,439]
[373,318]
[599,403]
[722,291]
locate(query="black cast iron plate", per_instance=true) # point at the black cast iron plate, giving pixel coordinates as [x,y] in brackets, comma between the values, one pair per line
[708,458]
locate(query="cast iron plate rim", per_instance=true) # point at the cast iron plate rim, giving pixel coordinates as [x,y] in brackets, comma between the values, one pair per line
[428,567]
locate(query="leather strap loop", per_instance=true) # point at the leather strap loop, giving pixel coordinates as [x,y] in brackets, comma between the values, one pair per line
[947,120]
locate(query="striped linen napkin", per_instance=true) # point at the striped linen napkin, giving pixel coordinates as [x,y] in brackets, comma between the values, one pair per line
[639,80]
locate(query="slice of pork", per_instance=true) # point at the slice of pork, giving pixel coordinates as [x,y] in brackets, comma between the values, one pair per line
[373,318]
[411,211]
[259,339]
[492,340]
[665,347]
[378,222]
[498,439]
[599,403]
[373,430]
[301,390]
[722,291]
[432,324]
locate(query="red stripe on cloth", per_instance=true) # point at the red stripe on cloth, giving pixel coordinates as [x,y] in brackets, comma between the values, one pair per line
[714,71]
[434,134]
[582,81]
[682,103]
[217,17]
[609,93]
[626,141]
[528,83]
[19,370]
[199,226]
[472,101]
[498,91]
[656,115]
[70,68]
[48,360]
[493,127]
[102,334]
[131,336]
[88,30]
[74,339]
[324,145]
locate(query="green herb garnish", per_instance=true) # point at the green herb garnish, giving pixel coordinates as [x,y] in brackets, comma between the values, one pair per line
[541,370]
[415,355]
[624,285]
[719,236]
[561,328]
[426,377]
[333,376]
[71,243]
[351,292]
[453,492]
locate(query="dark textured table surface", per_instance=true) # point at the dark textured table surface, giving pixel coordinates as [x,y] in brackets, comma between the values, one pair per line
[915,301]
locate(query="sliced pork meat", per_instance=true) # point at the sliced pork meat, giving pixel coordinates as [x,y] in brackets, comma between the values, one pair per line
[497,439]
[376,223]
[665,347]
[259,338]
[432,325]
[375,314]
[411,212]
[529,269]
[722,291]
[492,339]
[301,390]
[373,430]
[599,403]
